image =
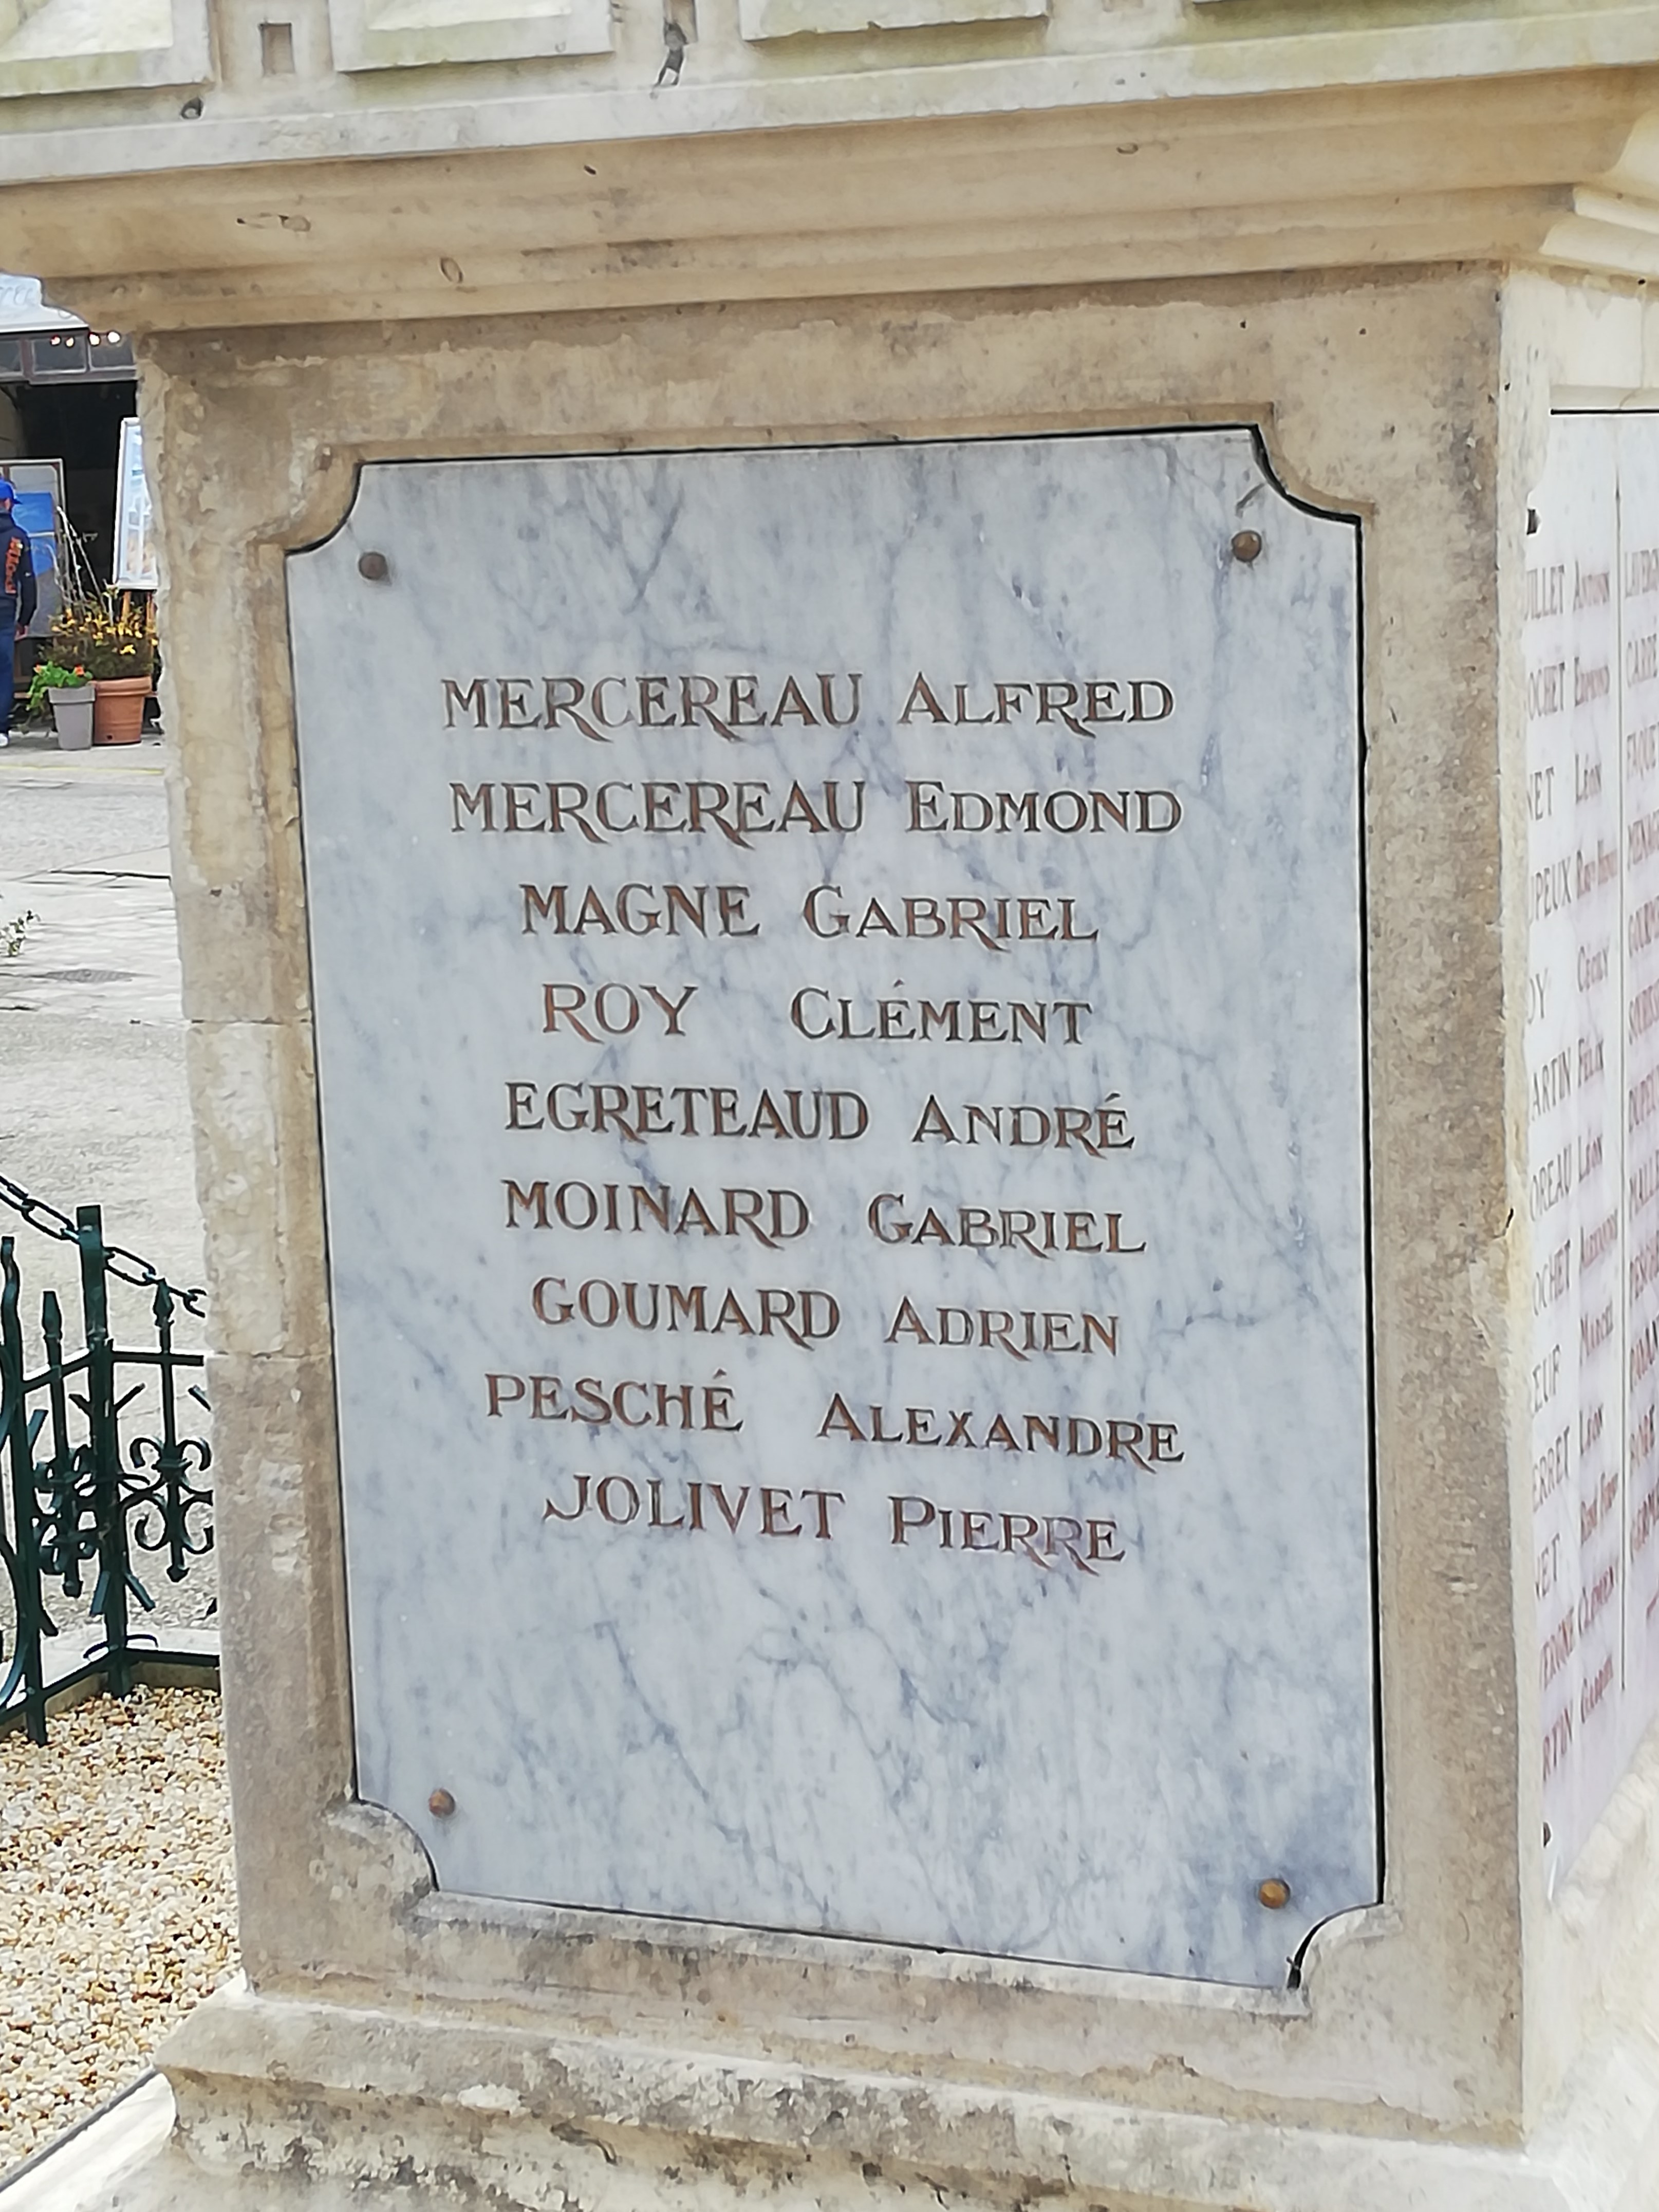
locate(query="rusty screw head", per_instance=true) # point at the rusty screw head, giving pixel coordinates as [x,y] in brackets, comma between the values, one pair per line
[1247,545]
[374,566]
[441,1803]
[1274,1894]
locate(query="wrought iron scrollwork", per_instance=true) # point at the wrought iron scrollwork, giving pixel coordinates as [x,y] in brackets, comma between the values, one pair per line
[78,1497]
[171,1466]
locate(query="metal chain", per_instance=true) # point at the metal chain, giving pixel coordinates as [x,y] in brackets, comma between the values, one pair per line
[126,1265]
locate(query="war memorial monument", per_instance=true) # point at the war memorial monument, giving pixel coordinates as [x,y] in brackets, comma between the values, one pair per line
[916,811]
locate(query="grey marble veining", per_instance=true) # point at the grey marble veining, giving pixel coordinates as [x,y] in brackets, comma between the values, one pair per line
[1019,1749]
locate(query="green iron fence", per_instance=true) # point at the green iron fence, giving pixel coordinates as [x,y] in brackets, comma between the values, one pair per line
[96,1476]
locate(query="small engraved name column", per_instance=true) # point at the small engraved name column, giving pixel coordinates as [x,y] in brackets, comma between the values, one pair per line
[1573,1073]
[1638,599]
[1596,1344]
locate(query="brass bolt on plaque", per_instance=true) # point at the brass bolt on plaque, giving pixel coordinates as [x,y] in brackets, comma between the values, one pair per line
[374,566]
[1247,545]
[1274,1894]
[443,1805]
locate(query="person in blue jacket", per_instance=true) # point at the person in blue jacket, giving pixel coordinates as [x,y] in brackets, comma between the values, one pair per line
[16,599]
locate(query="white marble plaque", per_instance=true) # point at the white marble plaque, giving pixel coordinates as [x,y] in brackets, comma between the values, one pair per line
[839,1005]
[1574,1066]
[1591,633]
[1638,767]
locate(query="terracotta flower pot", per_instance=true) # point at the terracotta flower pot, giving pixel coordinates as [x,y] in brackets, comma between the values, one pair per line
[117,709]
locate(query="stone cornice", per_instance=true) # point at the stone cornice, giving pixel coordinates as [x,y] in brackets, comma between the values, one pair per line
[1525,169]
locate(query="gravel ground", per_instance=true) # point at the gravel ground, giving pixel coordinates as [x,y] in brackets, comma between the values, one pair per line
[116,1907]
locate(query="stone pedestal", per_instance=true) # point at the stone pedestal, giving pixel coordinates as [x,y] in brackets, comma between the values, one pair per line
[1431,320]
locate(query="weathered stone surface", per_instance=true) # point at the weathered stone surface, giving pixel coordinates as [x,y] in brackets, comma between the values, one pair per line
[1376,384]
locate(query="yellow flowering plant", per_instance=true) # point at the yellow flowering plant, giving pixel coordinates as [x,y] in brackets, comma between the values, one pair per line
[104,640]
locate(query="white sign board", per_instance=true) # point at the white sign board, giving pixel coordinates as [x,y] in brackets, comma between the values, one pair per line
[23,309]
[136,568]
[839,1007]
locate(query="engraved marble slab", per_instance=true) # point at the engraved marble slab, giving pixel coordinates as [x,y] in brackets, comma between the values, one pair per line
[1590,634]
[839,1012]
[1574,1157]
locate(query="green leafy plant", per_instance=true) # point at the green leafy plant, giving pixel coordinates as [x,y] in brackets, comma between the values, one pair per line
[13,932]
[54,676]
